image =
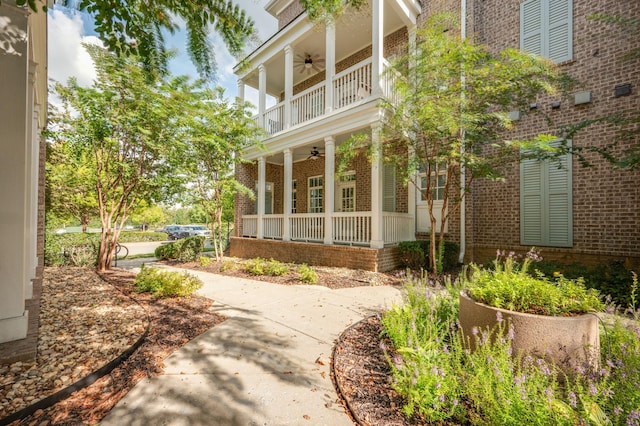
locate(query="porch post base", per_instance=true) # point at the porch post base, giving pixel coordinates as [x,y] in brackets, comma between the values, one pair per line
[376,244]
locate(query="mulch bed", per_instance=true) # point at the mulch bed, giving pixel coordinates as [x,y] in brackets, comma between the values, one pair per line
[173,322]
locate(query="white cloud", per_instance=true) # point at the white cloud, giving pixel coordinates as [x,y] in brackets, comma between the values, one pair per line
[67,57]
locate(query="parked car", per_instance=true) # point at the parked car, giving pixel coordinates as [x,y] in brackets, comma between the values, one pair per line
[182,231]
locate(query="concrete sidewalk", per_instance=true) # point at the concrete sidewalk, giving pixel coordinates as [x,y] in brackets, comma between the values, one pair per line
[268,364]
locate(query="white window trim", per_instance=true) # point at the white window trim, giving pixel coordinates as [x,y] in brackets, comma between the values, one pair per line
[310,188]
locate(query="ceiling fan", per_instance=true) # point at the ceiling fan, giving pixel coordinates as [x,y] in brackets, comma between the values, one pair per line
[308,62]
[315,154]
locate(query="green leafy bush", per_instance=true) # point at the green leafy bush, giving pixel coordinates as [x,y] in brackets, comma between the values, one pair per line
[307,274]
[184,250]
[415,255]
[272,267]
[445,383]
[204,261]
[72,249]
[229,265]
[163,283]
[412,255]
[509,286]
[139,236]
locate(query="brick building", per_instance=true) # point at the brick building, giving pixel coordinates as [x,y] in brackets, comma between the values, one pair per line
[325,81]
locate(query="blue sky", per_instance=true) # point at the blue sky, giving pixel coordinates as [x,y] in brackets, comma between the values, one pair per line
[69,28]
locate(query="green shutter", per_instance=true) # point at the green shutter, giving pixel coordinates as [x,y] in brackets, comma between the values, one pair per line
[531,27]
[531,203]
[560,211]
[560,38]
[389,189]
[546,28]
[546,203]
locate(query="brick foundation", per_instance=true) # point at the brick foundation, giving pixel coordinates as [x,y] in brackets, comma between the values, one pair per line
[368,259]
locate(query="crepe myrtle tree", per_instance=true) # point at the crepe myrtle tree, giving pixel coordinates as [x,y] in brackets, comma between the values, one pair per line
[135,27]
[131,123]
[447,115]
[216,136]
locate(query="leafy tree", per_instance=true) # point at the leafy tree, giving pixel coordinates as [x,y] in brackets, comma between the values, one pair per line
[134,27]
[216,139]
[70,184]
[329,9]
[132,128]
[452,99]
[146,215]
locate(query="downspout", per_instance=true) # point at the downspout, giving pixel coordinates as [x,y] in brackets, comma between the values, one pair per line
[463,201]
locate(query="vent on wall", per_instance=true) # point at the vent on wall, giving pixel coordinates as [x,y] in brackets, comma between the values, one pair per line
[622,90]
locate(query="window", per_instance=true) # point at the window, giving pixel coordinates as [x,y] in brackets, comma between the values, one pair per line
[294,196]
[546,216]
[546,28]
[315,194]
[437,184]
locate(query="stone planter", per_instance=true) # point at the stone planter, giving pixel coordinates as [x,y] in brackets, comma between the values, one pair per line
[557,339]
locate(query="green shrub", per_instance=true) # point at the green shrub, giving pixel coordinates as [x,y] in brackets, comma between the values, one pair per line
[445,383]
[229,265]
[412,255]
[184,250]
[307,274]
[272,267]
[162,283]
[204,261]
[415,255]
[509,286]
[139,236]
[72,249]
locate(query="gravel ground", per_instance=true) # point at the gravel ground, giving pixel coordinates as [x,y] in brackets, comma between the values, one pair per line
[84,323]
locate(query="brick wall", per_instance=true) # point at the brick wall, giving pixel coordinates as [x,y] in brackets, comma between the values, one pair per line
[317,254]
[290,13]
[605,200]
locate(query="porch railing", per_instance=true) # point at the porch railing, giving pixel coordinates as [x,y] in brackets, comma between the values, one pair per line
[307,227]
[308,104]
[250,225]
[397,227]
[352,84]
[347,228]
[272,226]
[274,119]
[388,81]
[351,228]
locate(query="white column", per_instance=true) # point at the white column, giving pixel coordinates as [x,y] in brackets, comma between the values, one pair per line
[262,173]
[31,164]
[262,87]
[377,43]
[240,95]
[329,187]
[288,177]
[288,84]
[377,171]
[15,122]
[330,72]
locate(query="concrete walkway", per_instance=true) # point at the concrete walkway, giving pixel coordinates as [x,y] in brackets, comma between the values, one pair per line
[268,364]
